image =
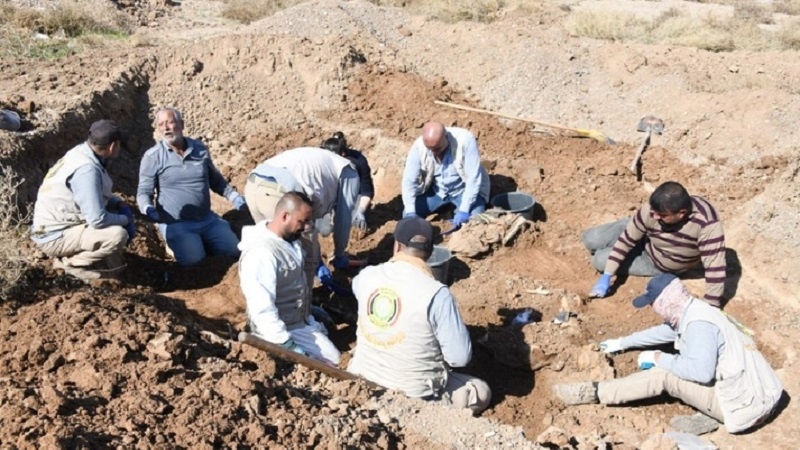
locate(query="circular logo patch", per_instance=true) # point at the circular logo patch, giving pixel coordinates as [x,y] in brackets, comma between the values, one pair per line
[383,307]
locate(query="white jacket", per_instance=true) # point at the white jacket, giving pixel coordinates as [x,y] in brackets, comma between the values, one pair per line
[273,282]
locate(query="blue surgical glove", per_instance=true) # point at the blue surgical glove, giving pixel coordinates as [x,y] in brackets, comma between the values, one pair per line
[600,288]
[292,345]
[125,210]
[647,359]
[460,219]
[324,274]
[409,214]
[341,262]
[239,203]
[131,229]
[152,213]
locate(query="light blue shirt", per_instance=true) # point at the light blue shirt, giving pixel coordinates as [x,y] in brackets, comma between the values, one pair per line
[449,329]
[447,183]
[697,360]
[182,183]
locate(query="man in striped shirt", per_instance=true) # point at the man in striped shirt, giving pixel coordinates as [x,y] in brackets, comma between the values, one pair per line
[674,232]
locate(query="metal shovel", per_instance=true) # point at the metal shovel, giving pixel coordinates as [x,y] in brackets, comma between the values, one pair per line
[647,125]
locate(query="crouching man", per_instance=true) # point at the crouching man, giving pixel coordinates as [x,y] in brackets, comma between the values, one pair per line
[76,219]
[274,283]
[409,329]
[717,370]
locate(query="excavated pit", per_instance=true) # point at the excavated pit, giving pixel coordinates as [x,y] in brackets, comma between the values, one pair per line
[145,362]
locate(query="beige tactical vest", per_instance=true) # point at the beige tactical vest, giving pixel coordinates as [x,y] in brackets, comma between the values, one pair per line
[747,388]
[55,208]
[397,347]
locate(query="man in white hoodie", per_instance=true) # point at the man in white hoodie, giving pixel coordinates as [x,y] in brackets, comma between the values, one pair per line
[274,284]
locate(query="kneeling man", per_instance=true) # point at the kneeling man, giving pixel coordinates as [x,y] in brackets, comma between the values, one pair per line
[274,284]
[409,329]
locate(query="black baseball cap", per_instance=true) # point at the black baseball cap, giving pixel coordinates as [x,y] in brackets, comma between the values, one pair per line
[654,288]
[105,132]
[415,232]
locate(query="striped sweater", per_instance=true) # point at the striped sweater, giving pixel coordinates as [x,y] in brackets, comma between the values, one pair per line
[700,239]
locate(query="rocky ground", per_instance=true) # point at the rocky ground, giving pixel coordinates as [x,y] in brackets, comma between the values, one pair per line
[148,361]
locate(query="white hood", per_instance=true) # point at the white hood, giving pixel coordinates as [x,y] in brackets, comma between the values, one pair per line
[252,235]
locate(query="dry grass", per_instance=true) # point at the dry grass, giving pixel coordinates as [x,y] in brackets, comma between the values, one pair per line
[247,11]
[53,32]
[451,11]
[789,7]
[744,31]
[13,232]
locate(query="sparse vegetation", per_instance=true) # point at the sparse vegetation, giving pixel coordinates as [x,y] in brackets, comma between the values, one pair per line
[13,231]
[59,31]
[247,11]
[746,30]
[789,7]
[451,11]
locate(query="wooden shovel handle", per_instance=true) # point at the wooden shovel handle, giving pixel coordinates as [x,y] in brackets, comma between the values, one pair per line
[507,116]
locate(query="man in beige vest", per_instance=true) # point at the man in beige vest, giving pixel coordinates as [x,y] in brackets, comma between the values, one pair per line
[717,370]
[409,330]
[76,219]
[444,168]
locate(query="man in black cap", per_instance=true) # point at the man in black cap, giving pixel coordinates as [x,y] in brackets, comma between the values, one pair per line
[717,370]
[76,219]
[409,329]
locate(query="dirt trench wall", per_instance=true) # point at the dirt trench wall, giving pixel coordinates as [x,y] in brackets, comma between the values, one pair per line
[61,123]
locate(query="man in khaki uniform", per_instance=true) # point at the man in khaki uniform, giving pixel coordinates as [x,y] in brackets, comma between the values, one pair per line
[410,331]
[76,218]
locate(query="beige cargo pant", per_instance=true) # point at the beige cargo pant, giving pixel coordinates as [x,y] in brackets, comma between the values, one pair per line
[654,382]
[262,196]
[94,249]
[465,391]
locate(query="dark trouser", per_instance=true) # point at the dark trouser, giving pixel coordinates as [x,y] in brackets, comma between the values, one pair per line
[600,241]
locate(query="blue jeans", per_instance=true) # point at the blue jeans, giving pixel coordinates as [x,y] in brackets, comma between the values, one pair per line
[190,239]
[427,203]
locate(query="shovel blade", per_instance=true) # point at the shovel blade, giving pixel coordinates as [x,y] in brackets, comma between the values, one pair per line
[651,123]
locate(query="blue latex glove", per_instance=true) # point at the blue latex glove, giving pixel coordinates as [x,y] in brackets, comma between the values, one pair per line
[324,274]
[460,219]
[292,345]
[239,203]
[600,288]
[152,213]
[341,262]
[409,214]
[647,359]
[126,211]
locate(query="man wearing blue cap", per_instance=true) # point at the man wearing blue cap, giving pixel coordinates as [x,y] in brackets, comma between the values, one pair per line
[717,370]
[409,329]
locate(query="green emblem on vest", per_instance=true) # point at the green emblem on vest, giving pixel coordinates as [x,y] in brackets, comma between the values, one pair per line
[383,307]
